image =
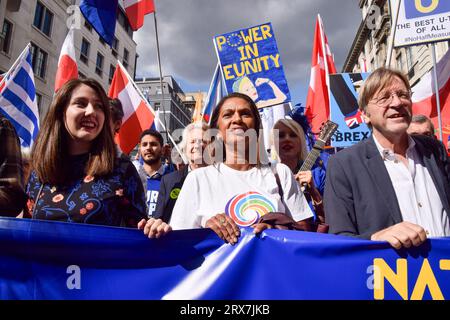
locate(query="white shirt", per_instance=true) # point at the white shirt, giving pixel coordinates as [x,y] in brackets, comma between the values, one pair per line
[416,193]
[207,191]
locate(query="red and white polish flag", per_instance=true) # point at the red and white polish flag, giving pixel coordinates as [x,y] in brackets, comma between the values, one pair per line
[424,96]
[322,65]
[136,10]
[67,64]
[137,113]
[2,84]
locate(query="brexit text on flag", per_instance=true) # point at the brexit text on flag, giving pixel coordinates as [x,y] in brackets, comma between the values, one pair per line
[18,99]
[251,64]
[344,109]
[138,115]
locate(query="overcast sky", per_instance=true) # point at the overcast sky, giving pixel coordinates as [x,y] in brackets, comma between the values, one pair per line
[186,29]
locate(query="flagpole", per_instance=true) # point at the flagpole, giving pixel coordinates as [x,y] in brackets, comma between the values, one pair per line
[436,89]
[325,55]
[14,65]
[141,95]
[160,74]
[392,38]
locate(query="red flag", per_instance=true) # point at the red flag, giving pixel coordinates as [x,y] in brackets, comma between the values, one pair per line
[3,84]
[322,65]
[136,10]
[137,113]
[67,64]
[424,97]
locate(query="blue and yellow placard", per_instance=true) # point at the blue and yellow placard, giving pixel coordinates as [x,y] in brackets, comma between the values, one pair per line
[421,21]
[251,64]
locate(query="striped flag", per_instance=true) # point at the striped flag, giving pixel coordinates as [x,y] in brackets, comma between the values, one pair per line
[424,96]
[138,115]
[136,10]
[322,65]
[18,99]
[67,64]
[215,94]
[2,84]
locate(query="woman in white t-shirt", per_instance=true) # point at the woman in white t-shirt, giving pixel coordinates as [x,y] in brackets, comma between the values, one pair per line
[238,188]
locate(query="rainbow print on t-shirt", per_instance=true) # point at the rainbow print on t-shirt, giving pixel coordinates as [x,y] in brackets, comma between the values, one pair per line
[246,209]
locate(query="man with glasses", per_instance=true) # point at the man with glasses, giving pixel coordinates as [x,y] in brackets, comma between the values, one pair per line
[391,187]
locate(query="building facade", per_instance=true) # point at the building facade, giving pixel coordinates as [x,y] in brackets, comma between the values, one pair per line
[43,23]
[168,101]
[370,46]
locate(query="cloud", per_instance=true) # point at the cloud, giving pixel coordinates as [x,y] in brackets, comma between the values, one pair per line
[186,29]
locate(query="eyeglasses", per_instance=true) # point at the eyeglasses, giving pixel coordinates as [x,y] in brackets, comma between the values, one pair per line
[386,99]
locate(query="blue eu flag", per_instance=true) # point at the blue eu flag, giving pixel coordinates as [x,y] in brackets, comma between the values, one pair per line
[102,16]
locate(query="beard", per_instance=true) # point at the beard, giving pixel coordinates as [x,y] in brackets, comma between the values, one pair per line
[151,161]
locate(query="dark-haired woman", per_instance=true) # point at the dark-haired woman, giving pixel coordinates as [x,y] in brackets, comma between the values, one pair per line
[239,187]
[77,176]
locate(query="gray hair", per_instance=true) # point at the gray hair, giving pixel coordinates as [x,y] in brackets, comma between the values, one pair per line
[196,125]
[420,118]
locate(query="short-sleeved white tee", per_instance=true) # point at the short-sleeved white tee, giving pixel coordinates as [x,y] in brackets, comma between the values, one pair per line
[207,191]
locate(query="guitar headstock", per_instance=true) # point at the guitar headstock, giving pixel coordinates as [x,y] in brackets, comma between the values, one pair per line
[327,131]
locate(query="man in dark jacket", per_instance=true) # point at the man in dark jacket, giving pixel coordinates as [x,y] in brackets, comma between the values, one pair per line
[392,187]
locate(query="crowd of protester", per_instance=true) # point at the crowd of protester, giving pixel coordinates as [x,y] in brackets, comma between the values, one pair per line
[394,186]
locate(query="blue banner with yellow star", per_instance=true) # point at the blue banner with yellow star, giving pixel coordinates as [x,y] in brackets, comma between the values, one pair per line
[251,64]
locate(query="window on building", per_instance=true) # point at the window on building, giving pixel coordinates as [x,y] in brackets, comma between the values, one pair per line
[157,105]
[43,18]
[126,56]
[400,62]
[39,101]
[409,58]
[5,36]
[115,47]
[39,61]
[81,75]
[84,54]
[112,69]
[101,40]
[99,64]
[88,25]
[123,21]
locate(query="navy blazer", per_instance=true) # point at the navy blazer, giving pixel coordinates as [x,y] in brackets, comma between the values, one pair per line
[359,196]
[169,190]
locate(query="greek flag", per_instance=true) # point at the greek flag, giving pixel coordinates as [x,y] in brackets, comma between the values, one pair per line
[215,94]
[18,99]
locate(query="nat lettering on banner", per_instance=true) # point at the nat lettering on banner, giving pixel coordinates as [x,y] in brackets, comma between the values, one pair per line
[251,64]
[421,21]
[344,110]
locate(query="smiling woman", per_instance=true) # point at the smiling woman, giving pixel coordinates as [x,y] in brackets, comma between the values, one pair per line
[238,189]
[76,175]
